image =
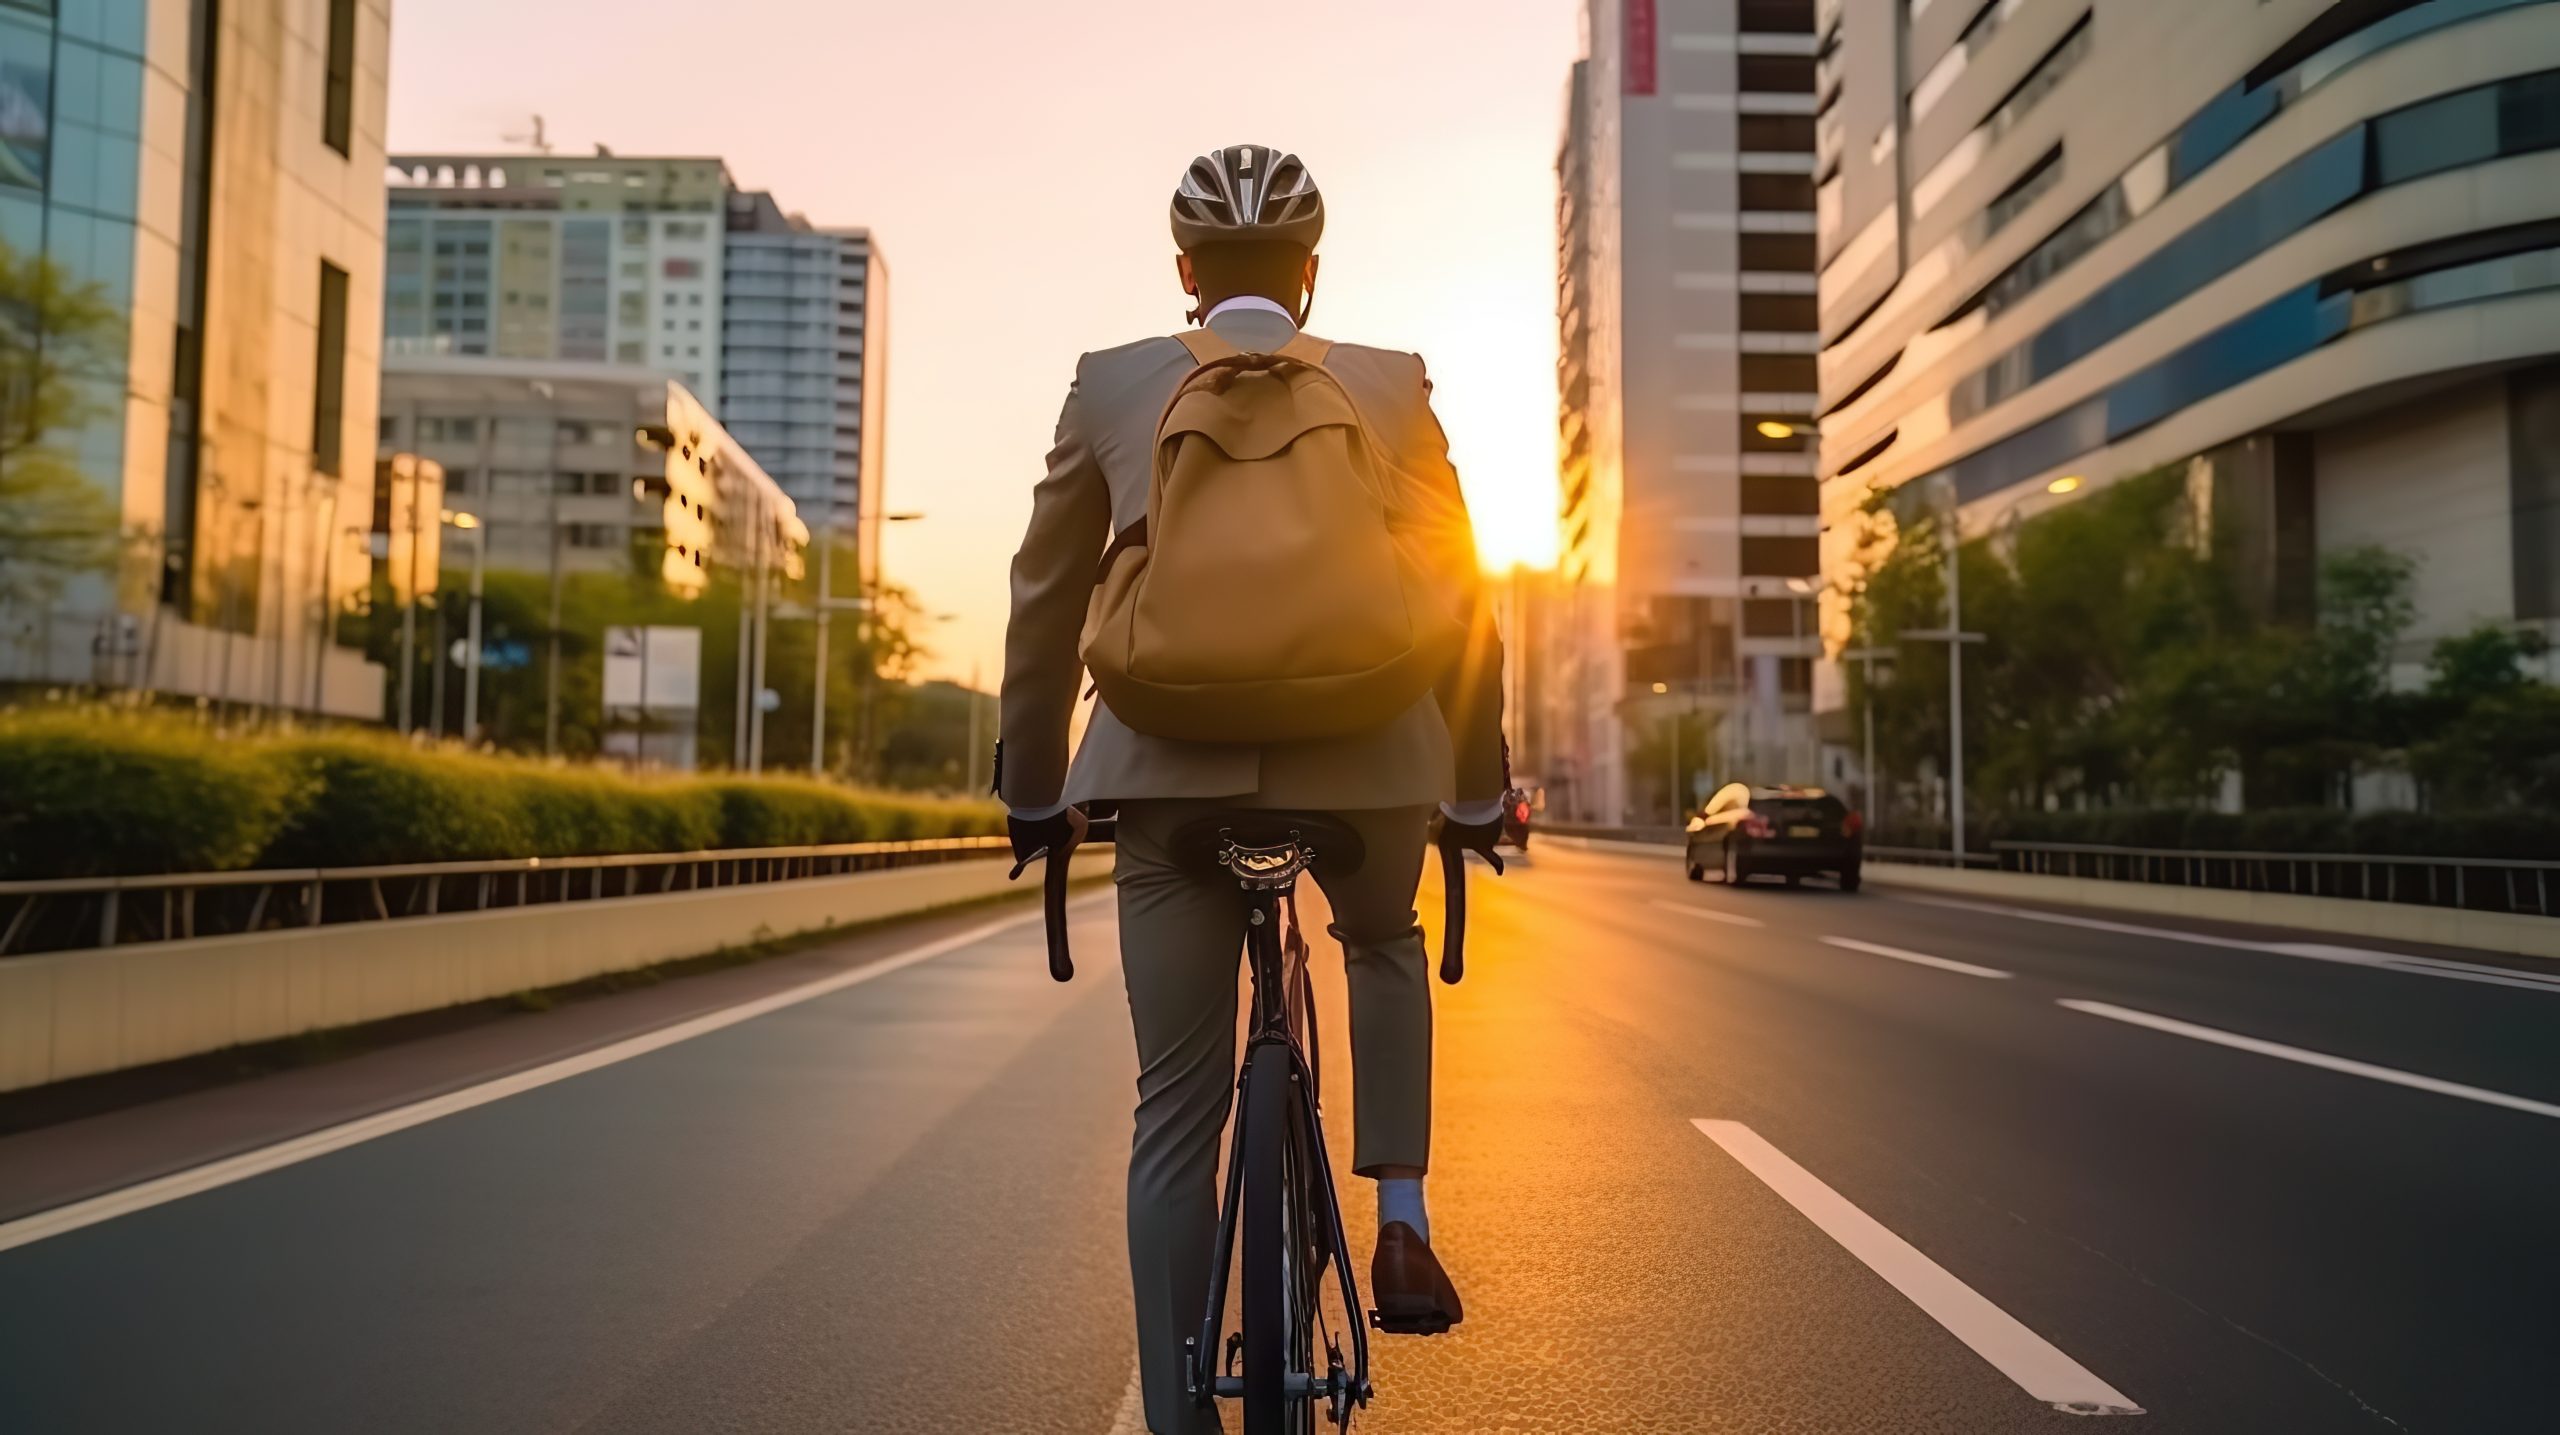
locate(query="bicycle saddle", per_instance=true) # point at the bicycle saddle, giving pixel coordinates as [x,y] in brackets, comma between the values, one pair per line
[1203,845]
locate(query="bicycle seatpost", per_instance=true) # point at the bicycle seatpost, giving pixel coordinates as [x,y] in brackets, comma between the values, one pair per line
[1453,931]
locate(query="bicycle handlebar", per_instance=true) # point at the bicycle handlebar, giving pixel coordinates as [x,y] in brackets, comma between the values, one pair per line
[1053,901]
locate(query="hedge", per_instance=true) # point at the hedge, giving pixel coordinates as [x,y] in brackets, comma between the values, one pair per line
[2515,835]
[85,793]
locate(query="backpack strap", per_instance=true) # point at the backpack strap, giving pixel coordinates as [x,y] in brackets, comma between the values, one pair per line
[1206,347]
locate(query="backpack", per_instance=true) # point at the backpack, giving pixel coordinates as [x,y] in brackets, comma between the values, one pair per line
[1276,590]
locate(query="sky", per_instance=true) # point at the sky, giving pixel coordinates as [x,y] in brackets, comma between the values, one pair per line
[1014,160]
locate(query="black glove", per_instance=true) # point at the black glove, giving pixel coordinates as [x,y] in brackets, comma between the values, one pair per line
[1477,837]
[1053,835]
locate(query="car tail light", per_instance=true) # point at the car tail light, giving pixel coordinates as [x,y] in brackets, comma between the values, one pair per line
[1852,825]
[1756,825]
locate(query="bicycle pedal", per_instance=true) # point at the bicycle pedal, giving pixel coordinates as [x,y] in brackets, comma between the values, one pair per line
[1433,1323]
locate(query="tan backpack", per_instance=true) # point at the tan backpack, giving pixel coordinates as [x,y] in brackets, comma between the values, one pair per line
[1273,591]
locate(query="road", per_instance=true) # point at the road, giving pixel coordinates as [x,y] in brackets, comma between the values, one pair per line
[1762,1160]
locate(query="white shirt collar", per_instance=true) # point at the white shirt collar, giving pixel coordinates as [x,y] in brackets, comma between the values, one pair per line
[1247,301]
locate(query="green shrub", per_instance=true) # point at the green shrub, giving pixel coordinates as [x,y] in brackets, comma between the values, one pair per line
[84,793]
[87,794]
[378,802]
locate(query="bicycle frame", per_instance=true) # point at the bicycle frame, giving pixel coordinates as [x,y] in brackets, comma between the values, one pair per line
[1271,1027]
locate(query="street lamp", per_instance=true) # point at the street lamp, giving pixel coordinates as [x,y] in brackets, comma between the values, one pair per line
[470,523]
[827,604]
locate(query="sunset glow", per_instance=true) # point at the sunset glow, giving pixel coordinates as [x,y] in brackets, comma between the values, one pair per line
[1014,159]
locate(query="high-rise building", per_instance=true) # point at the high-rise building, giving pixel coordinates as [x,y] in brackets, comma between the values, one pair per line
[216,172]
[2308,251]
[804,359]
[664,264]
[531,256]
[1686,299]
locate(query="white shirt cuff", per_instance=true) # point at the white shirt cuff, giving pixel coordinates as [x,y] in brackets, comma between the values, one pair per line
[1473,814]
[1039,814]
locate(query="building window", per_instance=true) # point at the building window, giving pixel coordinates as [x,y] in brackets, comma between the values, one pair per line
[1775,74]
[329,384]
[1778,313]
[1777,253]
[1780,192]
[1778,373]
[338,104]
[1765,493]
[1775,134]
[1772,556]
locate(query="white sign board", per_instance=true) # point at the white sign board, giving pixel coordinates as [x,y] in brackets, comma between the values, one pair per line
[653,669]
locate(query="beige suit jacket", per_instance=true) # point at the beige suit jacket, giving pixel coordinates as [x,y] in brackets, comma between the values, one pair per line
[1097,485]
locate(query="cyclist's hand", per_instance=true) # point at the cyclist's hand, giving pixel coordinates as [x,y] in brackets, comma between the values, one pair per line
[1051,835]
[1477,837]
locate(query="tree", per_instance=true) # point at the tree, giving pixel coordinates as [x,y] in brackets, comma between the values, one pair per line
[59,339]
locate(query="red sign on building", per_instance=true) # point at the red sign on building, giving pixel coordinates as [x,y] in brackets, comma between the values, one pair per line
[1641,43]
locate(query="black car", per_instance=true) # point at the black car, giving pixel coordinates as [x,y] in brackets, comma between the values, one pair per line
[1744,831]
[1515,817]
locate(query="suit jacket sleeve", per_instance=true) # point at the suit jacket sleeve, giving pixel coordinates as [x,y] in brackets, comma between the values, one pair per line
[1052,584]
[1470,693]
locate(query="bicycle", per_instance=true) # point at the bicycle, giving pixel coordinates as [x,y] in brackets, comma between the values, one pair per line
[1279,1187]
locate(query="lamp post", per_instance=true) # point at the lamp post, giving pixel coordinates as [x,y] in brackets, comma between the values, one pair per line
[470,523]
[1955,637]
[828,603]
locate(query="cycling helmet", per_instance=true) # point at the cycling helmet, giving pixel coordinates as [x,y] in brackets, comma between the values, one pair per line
[1247,192]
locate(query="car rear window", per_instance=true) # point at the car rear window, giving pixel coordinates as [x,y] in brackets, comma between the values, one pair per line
[1800,809]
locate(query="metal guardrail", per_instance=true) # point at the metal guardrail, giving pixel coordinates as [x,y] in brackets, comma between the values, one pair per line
[2479,884]
[77,913]
[1927,856]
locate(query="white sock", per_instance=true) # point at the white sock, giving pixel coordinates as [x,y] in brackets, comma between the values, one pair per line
[1400,1199]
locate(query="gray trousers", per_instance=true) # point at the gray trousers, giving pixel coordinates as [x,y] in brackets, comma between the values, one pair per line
[1181,945]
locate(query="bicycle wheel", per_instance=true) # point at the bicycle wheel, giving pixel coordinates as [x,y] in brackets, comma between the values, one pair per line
[1278,1315]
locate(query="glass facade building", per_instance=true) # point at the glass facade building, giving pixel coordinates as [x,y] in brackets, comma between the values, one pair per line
[2305,249]
[214,172]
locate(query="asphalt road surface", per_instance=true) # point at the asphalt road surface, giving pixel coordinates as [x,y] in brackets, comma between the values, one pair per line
[1763,1160]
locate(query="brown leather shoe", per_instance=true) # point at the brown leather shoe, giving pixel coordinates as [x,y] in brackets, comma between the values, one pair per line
[1410,1291]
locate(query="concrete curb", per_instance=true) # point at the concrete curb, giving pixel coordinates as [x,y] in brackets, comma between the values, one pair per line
[2385,921]
[2388,921]
[79,1013]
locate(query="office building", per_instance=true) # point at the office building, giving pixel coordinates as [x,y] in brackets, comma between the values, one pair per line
[2309,252]
[596,258]
[216,173]
[804,359]
[1686,388]
[589,467]
[663,264]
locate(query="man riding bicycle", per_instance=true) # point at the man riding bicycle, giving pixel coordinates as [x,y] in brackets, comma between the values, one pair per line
[1246,220]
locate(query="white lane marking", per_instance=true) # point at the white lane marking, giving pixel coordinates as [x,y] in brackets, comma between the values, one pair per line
[2312,951]
[2015,1351]
[1944,964]
[27,1230]
[2319,1059]
[1132,1416]
[1709,914]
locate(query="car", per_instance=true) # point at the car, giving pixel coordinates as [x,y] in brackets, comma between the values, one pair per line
[1793,832]
[1515,818]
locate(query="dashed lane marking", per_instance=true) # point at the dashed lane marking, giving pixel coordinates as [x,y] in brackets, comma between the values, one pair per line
[1730,919]
[2321,1059]
[2028,1359]
[1923,959]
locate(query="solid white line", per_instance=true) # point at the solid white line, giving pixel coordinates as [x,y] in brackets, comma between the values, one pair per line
[2320,1059]
[1922,958]
[27,1230]
[1709,913]
[2017,1352]
[2312,951]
